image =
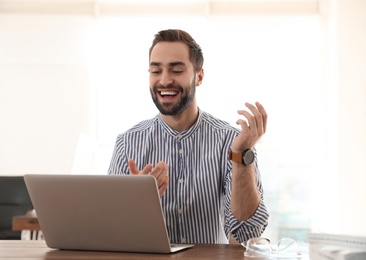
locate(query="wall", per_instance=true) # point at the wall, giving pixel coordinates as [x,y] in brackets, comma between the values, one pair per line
[44,92]
[351,45]
[40,123]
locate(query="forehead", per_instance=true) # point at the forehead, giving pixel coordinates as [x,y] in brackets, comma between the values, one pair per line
[168,52]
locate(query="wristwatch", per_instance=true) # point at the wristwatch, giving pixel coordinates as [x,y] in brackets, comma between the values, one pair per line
[246,157]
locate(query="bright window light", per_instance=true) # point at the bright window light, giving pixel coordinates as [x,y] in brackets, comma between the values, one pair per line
[276,60]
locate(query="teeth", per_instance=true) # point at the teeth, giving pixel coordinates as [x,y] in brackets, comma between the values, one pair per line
[168,93]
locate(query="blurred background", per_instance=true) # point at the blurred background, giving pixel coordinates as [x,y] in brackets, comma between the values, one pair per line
[73,75]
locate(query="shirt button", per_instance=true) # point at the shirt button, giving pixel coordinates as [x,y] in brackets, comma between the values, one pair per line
[179,136]
[180,181]
[180,211]
[183,240]
[181,151]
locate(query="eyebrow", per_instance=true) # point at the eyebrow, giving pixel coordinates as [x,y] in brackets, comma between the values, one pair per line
[171,64]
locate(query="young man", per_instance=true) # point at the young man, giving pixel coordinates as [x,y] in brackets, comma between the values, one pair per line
[206,170]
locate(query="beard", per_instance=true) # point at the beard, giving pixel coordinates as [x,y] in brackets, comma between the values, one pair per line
[166,108]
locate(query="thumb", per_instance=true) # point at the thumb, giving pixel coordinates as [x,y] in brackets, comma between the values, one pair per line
[134,170]
[132,167]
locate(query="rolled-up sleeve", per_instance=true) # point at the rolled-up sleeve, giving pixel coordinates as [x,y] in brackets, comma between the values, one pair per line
[253,227]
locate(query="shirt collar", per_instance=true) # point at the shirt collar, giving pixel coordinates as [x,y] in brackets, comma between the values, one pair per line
[184,134]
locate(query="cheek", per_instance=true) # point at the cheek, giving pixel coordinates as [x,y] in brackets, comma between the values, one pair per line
[152,82]
[184,81]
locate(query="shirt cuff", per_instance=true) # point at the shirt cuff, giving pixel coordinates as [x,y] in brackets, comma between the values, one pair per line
[252,227]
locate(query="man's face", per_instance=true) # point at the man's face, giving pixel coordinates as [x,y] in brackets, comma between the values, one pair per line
[172,77]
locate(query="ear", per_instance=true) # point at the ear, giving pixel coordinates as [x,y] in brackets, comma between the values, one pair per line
[199,77]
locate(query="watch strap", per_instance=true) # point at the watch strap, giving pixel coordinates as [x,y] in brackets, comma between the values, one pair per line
[235,157]
[247,157]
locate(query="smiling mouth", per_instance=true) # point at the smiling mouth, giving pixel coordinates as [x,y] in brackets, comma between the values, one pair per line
[168,93]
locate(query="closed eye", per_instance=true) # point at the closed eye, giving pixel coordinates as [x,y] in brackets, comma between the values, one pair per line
[155,72]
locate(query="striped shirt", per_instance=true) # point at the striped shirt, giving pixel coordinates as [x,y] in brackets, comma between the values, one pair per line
[196,203]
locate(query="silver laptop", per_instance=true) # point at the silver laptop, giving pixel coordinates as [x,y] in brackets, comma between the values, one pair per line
[100,212]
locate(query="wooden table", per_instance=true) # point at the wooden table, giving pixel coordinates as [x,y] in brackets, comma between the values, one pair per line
[35,250]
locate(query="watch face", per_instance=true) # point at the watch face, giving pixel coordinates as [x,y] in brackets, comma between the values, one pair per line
[248,157]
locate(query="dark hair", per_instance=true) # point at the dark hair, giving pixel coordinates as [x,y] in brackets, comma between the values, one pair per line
[195,51]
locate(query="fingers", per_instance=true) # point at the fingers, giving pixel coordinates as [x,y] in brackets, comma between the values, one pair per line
[250,124]
[160,172]
[160,169]
[257,119]
[134,170]
[132,167]
[162,184]
[264,115]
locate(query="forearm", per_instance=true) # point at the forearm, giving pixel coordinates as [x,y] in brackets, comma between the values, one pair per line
[245,196]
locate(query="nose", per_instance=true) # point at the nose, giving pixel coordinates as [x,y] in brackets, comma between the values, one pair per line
[166,79]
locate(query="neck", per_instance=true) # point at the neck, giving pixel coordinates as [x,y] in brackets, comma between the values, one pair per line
[184,120]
